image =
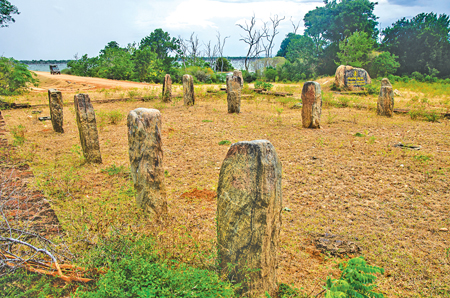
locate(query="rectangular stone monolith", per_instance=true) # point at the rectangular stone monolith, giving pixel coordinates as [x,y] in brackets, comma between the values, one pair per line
[234,89]
[167,89]
[312,105]
[188,90]
[385,106]
[55,104]
[146,159]
[249,204]
[87,128]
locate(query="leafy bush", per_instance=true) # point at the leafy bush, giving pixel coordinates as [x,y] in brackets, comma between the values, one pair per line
[263,85]
[110,117]
[417,76]
[135,271]
[270,73]
[15,77]
[249,76]
[356,280]
[225,142]
[67,71]
[223,64]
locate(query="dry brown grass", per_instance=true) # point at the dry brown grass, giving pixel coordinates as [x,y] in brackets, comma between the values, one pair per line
[392,202]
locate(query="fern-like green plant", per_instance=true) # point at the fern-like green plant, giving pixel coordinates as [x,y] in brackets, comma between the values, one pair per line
[356,281]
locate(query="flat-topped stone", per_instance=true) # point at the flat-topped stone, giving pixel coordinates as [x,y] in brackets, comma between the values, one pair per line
[249,204]
[146,159]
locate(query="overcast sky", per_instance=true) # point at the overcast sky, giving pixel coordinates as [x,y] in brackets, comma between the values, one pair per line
[59,29]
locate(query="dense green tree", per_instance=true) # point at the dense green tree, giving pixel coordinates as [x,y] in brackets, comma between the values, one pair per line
[115,63]
[285,43]
[421,43]
[383,65]
[6,10]
[166,48]
[355,50]
[335,22]
[14,76]
[85,66]
[147,66]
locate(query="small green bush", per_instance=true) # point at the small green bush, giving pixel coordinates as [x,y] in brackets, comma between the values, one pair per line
[224,142]
[263,85]
[111,117]
[356,280]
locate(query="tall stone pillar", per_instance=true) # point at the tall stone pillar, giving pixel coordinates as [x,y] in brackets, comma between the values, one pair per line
[188,90]
[249,204]
[55,104]
[167,89]
[146,159]
[87,128]
[385,106]
[234,89]
[312,105]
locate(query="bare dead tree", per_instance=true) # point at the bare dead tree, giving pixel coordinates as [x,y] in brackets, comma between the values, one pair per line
[211,53]
[220,47]
[184,49]
[268,47]
[253,39]
[295,26]
[194,49]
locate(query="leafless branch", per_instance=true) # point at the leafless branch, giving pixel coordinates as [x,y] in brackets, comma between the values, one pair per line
[295,26]
[220,46]
[268,48]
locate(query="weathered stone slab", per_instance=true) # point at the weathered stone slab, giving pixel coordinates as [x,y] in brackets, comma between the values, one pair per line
[188,90]
[351,78]
[146,159]
[385,106]
[238,73]
[312,105]
[234,88]
[167,89]
[87,128]
[55,104]
[249,204]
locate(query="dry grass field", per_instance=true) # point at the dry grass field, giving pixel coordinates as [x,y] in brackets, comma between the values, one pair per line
[346,179]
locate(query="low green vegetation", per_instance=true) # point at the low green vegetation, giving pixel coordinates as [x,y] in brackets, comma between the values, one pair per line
[15,77]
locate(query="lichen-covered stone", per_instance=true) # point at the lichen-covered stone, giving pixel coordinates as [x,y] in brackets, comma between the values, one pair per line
[312,105]
[55,104]
[146,159]
[385,106]
[238,73]
[234,89]
[188,90]
[87,128]
[167,89]
[349,77]
[249,204]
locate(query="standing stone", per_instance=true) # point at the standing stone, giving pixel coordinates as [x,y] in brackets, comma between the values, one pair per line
[167,89]
[87,128]
[249,204]
[234,88]
[146,157]
[351,78]
[188,89]
[238,73]
[312,105]
[385,106]
[56,109]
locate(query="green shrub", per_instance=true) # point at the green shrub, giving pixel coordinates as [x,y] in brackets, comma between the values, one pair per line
[113,170]
[225,142]
[111,117]
[136,271]
[270,73]
[417,76]
[223,64]
[263,85]
[248,76]
[356,280]
[67,71]
[15,76]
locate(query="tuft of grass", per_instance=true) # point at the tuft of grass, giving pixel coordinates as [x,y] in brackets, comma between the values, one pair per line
[207,121]
[225,142]
[18,133]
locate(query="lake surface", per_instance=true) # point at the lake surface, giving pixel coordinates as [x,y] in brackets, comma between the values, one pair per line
[45,66]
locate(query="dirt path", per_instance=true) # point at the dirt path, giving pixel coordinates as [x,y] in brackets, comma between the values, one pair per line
[74,83]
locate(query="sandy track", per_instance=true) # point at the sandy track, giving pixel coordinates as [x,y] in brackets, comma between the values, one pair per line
[70,83]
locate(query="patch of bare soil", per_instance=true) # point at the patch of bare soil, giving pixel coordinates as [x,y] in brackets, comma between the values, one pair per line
[200,194]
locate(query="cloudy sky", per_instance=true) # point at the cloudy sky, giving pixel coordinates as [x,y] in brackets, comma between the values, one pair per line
[59,29]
